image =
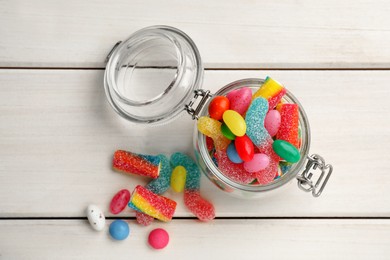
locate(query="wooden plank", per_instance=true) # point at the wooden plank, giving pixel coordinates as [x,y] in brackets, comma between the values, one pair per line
[230,239]
[58,134]
[251,34]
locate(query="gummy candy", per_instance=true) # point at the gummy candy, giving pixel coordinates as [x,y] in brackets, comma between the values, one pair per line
[144,165]
[143,218]
[152,204]
[240,99]
[233,171]
[212,128]
[161,184]
[199,206]
[234,122]
[288,130]
[271,90]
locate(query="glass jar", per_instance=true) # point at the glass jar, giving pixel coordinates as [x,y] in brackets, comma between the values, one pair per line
[156,74]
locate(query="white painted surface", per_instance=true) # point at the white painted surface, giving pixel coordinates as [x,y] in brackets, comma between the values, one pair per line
[58,135]
[229,34]
[227,239]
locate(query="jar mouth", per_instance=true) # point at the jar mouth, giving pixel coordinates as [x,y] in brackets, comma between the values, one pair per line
[254,84]
[151,75]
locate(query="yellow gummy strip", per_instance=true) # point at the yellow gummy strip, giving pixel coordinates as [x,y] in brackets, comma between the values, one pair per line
[148,209]
[269,89]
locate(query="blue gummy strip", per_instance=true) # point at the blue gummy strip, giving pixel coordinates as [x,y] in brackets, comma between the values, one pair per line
[162,183]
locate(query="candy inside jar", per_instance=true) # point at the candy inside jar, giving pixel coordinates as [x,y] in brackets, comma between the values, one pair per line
[260,142]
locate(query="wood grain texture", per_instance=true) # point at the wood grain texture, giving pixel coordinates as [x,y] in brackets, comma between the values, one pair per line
[58,134]
[248,34]
[230,239]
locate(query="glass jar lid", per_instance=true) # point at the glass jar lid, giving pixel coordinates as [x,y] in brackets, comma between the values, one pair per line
[152,75]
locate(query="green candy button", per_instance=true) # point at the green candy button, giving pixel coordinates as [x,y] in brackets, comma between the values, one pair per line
[226,132]
[286,151]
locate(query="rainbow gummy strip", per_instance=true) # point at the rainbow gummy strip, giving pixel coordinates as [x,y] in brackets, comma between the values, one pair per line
[152,204]
[288,130]
[144,165]
[271,90]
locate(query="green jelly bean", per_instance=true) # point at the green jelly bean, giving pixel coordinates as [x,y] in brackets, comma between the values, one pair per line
[227,133]
[286,151]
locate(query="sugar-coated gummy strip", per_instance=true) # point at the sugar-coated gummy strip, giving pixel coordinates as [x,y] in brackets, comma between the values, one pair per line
[195,203]
[140,164]
[158,186]
[271,90]
[212,128]
[234,171]
[152,204]
[288,130]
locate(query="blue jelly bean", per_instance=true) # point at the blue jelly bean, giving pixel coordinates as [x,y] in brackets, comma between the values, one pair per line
[232,154]
[254,119]
[193,173]
[119,229]
[162,183]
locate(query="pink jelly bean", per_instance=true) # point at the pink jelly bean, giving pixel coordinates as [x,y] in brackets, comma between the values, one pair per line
[259,162]
[233,171]
[240,99]
[272,122]
[119,201]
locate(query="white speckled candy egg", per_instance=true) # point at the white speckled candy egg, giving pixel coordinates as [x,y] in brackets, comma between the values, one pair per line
[96,217]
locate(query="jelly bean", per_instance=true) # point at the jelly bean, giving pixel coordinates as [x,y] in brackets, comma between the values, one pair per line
[268,174]
[232,154]
[271,90]
[161,184]
[144,165]
[284,167]
[152,204]
[272,122]
[288,130]
[235,122]
[240,99]
[119,229]
[286,150]
[244,148]
[227,133]
[96,218]
[233,171]
[119,201]
[158,238]
[218,106]
[259,162]
[178,178]
[212,128]
[194,202]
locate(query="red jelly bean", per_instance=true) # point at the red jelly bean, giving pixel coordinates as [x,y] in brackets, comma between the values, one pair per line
[218,106]
[119,201]
[244,147]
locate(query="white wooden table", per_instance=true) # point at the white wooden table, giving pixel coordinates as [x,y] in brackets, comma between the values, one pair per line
[58,133]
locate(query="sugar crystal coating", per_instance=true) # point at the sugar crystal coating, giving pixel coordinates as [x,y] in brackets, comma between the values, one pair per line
[161,184]
[195,203]
[212,128]
[140,164]
[152,204]
[143,219]
[233,171]
[255,122]
[288,130]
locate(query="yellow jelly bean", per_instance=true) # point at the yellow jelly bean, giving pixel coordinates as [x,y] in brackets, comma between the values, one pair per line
[212,128]
[235,122]
[178,178]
